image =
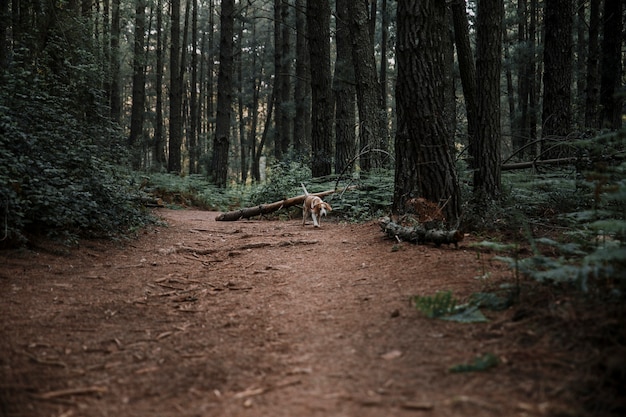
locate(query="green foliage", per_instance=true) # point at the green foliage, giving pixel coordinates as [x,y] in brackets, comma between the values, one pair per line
[444,306]
[194,191]
[479,364]
[372,199]
[60,155]
[283,181]
[435,306]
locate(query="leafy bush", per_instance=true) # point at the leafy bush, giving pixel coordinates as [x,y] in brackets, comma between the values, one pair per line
[283,181]
[60,160]
[590,207]
[193,190]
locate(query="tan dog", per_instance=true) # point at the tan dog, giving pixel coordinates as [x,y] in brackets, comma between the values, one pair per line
[314,206]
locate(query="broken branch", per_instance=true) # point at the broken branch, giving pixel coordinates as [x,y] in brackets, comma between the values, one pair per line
[419,234]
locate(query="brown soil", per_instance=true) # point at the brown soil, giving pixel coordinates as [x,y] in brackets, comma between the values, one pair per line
[262,318]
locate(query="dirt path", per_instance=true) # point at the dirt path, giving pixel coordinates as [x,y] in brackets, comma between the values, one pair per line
[252,318]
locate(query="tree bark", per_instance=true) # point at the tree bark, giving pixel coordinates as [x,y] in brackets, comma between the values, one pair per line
[318,27]
[176,92]
[592,92]
[486,146]
[115,93]
[224,96]
[139,86]
[424,164]
[611,98]
[467,68]
[344,90]
[158,151]
[371,111]
[302,91]
[192,139]
[419,234]
[557,75]
[246,213]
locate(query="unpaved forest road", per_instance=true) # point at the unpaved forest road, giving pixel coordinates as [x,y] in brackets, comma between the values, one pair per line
[255,318]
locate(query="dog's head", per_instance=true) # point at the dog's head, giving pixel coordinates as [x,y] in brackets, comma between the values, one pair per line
[317,205]
[324,207]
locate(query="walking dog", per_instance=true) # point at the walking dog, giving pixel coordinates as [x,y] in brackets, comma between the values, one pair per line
[314,206]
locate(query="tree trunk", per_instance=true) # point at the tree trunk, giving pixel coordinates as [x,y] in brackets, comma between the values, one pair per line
[176,92]
[158,151]
[557,76]
[424,165]
[318,26]
[302,96]
[139,86]
[345,92]
[285,79]
[611,98]
[467,68]
[224,95]
[371,127]
[384,12]
[115,93]
[278,84]
[486,146]
[592,92]
[5,45]
[194,148]
[523,57]
[248,212]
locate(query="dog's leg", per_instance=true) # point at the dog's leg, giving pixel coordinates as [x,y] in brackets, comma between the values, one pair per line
[315,221]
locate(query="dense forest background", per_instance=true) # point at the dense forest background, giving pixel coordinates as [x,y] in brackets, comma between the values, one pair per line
[442,96]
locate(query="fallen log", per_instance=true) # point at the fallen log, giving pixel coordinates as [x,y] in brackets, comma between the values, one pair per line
[246,213]
[419,234]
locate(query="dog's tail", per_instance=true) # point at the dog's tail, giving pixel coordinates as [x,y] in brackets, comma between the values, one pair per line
[306,193]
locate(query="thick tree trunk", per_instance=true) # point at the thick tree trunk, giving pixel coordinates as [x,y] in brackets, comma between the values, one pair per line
[610,80]
[318,26]
[302,96]
[224,95]
[487,143]
[424,164]
[345,92]
[557,76]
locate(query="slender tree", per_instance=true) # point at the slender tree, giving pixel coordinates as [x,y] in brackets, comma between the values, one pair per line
[158,148]
[219,161]
[194,148]
[592,84]
[115,98]
[424,164]
[371,112]
[318,27]
[176,91]
[467,68]
[279,74]
[139,85]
